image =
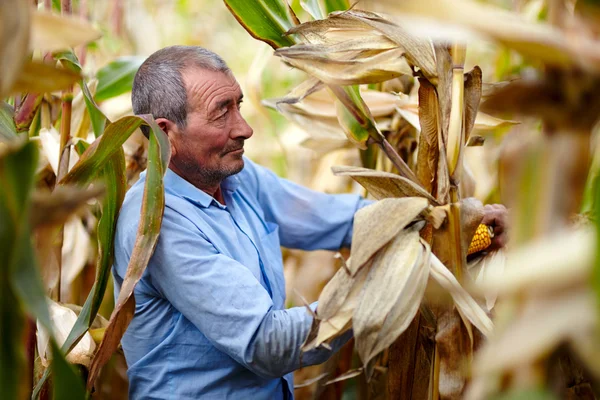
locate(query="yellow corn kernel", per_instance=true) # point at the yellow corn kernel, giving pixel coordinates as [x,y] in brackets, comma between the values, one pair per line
[481,240]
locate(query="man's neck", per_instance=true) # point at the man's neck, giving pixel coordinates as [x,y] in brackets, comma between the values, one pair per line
[212,189]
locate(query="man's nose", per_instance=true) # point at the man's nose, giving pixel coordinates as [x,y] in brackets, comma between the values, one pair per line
[242,129]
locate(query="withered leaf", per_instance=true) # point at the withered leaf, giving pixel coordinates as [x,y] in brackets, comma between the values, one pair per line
[377,224]
[541,325]
[472,97]
[382,184]
[463,300]
[52,32]
[428,154]
[390,279]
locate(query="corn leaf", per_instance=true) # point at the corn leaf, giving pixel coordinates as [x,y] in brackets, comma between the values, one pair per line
[117,77]
[338,304]
[115,181]
[472,97]
[8,130]
[13,208]
[51,32]
[67,383]
[463,300]
[428,154]
[561,260]
[56,207]
[96,116]
[383,185]
[265,20]
[101,150]
[21,278]
[319,9]
[418,51]
[39,77]
[148,230]
[406,306]
[372,229]
[372,67]
[553,319]
[14,36]
[469,18]
[355,117]
[397,266]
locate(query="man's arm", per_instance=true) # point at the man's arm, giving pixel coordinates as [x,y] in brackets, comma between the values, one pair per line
[227,304]
[308,219]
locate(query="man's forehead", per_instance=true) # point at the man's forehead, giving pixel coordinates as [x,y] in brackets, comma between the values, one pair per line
[206,85]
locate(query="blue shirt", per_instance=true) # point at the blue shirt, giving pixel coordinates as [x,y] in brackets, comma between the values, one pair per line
[210,320]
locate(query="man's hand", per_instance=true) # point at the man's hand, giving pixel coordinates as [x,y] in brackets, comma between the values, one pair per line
[496,216]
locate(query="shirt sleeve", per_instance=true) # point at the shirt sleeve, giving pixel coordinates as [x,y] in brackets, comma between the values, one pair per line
[309,220]
[222,298]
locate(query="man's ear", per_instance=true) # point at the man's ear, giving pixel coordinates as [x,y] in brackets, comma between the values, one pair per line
[171,129]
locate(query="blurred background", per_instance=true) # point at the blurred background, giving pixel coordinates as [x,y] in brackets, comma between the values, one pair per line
[134,29]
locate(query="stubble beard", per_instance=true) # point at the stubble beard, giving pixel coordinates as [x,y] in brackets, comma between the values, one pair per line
[211,177]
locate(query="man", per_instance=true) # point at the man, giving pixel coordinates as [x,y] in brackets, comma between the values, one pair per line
[210,321]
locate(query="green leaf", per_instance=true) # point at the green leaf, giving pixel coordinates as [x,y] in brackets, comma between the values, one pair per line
[319,9]
[103,148]
[153,204]
[596,208]
[354,115]
[97,117]
[8,130]
[265,20]
[117,77]
[115,180]
[335,5]
[67,383]
[17,175]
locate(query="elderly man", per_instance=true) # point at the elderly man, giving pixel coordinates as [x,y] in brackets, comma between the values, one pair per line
[210,321]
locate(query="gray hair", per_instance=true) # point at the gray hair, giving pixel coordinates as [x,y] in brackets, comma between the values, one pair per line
[158,87]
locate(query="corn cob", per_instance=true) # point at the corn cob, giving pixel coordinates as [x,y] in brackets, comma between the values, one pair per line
[481,240]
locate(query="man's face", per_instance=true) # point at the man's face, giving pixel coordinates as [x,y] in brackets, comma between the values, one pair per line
[211,146]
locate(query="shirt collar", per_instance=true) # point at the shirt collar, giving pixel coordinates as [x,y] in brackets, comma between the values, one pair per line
[182,188]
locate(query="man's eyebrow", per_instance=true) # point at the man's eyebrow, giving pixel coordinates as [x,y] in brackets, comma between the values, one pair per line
[226,103]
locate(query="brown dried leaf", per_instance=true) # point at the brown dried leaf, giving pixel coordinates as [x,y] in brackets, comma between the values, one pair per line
[485,121]
[562,260]
[14,36]
[383,185]
[418,50]
[334,324]
[463,300]
[377,224]
[541,325]
[52,32]
[39,77]
[427,157]
[56,207]
[407,304]
[444,86]
[469,18]
[395,267]
[472,97]
[356,68]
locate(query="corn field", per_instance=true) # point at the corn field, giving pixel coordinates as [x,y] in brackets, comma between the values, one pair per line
[431,107]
